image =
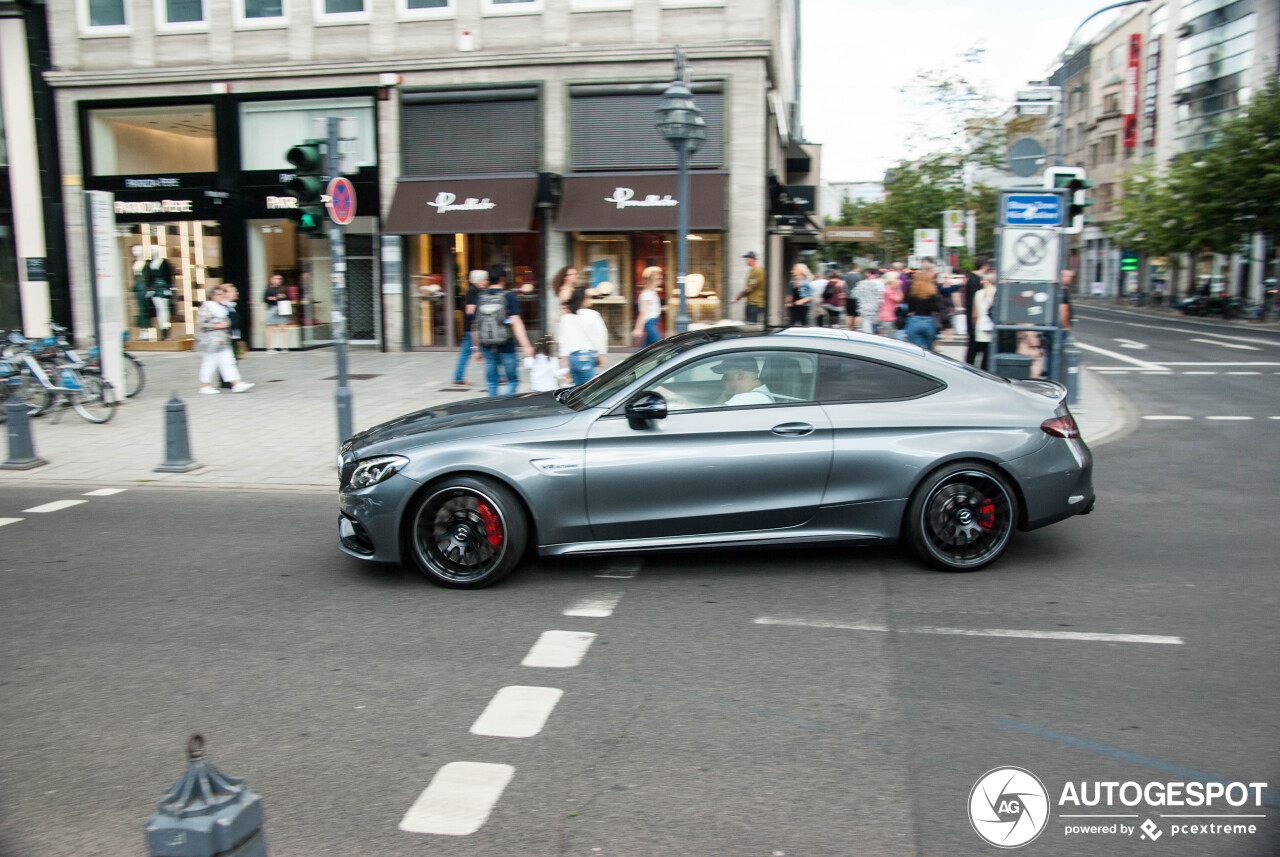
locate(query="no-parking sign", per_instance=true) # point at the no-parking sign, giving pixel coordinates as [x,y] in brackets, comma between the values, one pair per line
[342,201]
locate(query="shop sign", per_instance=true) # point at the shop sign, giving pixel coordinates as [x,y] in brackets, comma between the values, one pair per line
[281,202]
[446,201]
[639,201]
[143,184]
[1130,92]
[484,204]
[850,234]
[623,197]
[155,206]
[803,196]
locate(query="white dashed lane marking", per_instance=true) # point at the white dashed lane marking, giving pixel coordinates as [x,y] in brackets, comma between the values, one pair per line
[6,521]
[55,506]
[517,712]
[595,607]
[1165,417]
[1226,344]
[104,492]
[559,649]
[1229,419]
[1078,636]
[458,800]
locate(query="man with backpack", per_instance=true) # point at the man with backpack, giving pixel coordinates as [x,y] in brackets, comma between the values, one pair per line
[497,328]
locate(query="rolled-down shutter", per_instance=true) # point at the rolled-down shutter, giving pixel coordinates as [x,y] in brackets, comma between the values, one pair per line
[468,137]
[618,132]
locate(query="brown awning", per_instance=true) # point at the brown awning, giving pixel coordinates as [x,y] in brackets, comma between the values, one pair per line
[439,206]
[627,202]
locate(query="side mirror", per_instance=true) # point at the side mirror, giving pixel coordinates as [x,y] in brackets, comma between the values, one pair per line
[644,407]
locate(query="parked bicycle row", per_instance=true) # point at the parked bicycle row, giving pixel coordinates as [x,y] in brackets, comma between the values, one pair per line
[50,376]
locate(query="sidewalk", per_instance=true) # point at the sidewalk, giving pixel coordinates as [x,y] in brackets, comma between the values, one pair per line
[284,432]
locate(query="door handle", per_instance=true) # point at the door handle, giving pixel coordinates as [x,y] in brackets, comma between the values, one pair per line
[793,429]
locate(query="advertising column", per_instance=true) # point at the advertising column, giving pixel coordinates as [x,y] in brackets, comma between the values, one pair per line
[108,296]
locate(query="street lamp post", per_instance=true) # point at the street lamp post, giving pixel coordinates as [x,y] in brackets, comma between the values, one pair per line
[681,123]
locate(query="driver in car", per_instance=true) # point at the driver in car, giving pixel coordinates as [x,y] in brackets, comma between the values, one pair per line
[742,384]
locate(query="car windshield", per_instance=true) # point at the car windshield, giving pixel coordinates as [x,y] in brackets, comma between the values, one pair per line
[600,388]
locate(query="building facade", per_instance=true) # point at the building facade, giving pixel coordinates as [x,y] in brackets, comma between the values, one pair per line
[517,132]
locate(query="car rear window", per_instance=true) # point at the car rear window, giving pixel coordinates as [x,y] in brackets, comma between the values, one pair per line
[851,379]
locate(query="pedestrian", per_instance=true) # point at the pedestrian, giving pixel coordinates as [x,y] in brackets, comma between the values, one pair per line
[973,283]
[476,282]
[1049,341]
[890,300]
[213,341]
[498,328]
[923,303]
[981,324]
[754,290]
[866,301]
[545,373]
[232,303]
[648,307]
[583,337]
[833,300]
[279,311]
[817,306]
[563,283]
[852,276]
[800,294]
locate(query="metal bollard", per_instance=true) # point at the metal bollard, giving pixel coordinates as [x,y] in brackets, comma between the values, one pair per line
[22,450]
[206,814]
[177,448]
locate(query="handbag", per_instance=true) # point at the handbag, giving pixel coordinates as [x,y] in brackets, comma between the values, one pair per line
[284,307]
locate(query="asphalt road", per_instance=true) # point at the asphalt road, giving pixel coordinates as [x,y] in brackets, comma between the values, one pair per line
[833,702]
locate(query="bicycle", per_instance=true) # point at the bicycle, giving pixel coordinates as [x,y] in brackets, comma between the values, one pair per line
[134,376]
[92,397]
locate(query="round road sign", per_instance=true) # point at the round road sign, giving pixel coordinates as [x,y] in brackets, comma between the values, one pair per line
[342,201]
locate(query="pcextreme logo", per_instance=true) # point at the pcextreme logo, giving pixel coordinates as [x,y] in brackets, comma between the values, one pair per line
[1009,807]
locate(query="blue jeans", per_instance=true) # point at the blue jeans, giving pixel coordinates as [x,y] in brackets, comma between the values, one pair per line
[582,366]
[460,371]
[921,330]
[510,368]
[651,331]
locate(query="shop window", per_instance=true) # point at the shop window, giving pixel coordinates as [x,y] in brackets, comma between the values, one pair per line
[103,17]
[260,13]
[170,268]
[512,7]
[269,128]
[153,140]
[179,15]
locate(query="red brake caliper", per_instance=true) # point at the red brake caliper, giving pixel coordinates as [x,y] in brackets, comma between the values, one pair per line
[492,526]
[987,514]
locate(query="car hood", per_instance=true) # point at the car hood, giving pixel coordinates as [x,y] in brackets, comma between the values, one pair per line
[493,415]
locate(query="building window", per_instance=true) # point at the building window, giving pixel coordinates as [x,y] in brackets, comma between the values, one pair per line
[264,124]
[425,8]
[1113,58]
[260,13]
[341,12]
[103,17]
[512,7]
[153,141]
[1111,103]
[182,16]
[1109,149]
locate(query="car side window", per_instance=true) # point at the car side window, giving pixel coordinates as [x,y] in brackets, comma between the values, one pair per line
[850,379]
[741,379]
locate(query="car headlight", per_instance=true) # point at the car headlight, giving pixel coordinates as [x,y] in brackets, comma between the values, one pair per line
[371,471]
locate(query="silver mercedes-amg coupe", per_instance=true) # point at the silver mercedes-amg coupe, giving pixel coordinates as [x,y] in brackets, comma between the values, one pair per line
[719,439]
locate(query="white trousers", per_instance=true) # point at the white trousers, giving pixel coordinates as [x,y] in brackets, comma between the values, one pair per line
[224,361]
[162,311]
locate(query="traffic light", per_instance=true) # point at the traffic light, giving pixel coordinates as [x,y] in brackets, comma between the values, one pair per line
[1071,178]
[307,186]
[1128,261]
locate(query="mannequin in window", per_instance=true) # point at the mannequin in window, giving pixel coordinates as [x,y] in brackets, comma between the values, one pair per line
[141,306]
[160,289]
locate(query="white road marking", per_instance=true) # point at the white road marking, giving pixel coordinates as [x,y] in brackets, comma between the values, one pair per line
[1229,418]
[1198,373]
[1175,329]
[1123,358]
[596,607]
[458,800]
[55,506]
[1080,636]
[1129,343]
[559,649]
[517,712]
[1221,364]
[1270,418]
[1244,373]
[104,492]
[7,521]
[1164,417]
[622,570]
[1226,344]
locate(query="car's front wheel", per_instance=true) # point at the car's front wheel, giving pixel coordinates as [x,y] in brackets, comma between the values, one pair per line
[962,517]
[467,533]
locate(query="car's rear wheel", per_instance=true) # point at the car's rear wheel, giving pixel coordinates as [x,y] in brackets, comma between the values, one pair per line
[467,533]
[962,517]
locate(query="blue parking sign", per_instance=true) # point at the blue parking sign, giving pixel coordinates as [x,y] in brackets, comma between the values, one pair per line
[1032,209]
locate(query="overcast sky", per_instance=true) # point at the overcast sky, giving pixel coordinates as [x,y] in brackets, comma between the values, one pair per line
[857,55]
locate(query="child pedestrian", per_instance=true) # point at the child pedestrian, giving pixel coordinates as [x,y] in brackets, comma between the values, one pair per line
[545,373]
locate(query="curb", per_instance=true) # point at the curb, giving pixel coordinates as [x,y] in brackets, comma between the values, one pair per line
[1123,418]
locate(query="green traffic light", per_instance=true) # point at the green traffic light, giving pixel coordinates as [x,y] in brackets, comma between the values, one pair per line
[307,221]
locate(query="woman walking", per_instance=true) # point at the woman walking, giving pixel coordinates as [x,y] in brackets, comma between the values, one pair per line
[649,308]
[888,316]
[582,337]
[922,304]
[279,312]
[800,294]
[213,340]
[981,324]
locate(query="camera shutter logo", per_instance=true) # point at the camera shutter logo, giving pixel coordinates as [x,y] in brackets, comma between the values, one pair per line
[1008,807]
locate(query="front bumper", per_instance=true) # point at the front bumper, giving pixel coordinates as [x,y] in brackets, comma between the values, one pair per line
[369,520]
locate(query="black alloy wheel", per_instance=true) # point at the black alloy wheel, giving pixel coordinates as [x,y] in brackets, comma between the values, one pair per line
[467,533]
[962,517]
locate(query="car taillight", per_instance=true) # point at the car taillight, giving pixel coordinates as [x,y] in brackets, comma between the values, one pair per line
[1060,427]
